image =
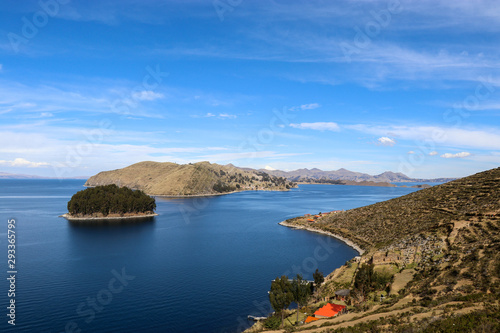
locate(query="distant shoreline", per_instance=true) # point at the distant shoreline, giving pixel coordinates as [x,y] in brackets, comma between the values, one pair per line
[353,183]
[319,231]
[72,218]
[370,183]
[203,195]
[210,195]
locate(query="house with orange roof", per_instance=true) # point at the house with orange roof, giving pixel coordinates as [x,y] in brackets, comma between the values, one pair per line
[329,310]
[310,319]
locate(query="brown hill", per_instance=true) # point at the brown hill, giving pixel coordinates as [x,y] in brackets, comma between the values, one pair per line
[382,223]
[203,178]
[432,261]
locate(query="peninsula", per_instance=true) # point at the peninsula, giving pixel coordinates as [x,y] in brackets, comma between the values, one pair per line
[429,262]
[197,179]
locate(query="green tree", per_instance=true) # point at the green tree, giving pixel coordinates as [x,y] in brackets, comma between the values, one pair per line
[281,295]
[110,199]
[364,280]
[301,292]
[318,278]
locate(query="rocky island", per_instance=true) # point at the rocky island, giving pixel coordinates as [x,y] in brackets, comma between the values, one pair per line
[197,179]
[109,202]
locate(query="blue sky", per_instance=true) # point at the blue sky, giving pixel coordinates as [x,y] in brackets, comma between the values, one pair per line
[409,86]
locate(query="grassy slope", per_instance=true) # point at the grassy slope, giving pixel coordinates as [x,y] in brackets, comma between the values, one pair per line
[452,275]
[189,179]
[380,224]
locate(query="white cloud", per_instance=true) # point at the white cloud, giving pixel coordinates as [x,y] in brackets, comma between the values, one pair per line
[21,162]
[433,153]
[227,116]
[385,141]
[69,98]
[302,107]
[220,116]
[309,106]
[319,126]
[457,155]
[411,152]
[270,168]
[485,138]
[251,155]
[147,95]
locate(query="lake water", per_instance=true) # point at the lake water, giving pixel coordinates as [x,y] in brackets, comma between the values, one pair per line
[202,265]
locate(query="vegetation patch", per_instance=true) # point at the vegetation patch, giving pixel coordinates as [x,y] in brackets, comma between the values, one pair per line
[110,200]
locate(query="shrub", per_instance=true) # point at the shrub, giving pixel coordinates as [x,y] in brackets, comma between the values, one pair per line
[272,323]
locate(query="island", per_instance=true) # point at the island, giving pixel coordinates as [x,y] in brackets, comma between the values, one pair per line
[193,179]
[110,202]
[428,261]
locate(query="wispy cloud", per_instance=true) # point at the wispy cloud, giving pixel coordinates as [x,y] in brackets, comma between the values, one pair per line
[22,162]
[227,116]
[385,141]
[319,126]
[66,98]
[147,95]
[310,106]
[433,153]
[212,115]
[457,155]
[251,155]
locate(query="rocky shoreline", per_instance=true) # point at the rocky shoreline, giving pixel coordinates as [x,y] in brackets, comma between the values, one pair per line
[97,218]
[319,231]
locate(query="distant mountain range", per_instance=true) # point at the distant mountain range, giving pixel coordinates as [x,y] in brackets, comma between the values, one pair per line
[5,175]
[300,175]
[306,175]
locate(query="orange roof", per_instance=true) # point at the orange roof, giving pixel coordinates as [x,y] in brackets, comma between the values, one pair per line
[329,310]
[309,319]
[311,220]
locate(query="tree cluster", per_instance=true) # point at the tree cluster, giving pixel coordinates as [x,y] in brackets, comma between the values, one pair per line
[110,199]
[222,187]
[283,293]
[367,280]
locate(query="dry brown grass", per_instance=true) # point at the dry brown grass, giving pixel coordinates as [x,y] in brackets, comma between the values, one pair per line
[171,179]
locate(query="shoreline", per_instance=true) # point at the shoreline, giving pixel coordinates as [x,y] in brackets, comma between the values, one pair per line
[204,195]
[319,231]
[107,218]
[211,194]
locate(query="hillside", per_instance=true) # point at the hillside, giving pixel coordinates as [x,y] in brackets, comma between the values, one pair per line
[203,178]
[302,175]
[432,261]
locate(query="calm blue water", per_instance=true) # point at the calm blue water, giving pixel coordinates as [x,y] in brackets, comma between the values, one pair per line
[203,265]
